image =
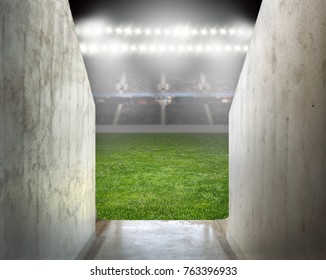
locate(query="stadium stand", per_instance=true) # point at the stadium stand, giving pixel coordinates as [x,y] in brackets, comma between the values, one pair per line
[140,114]
[186,114]
[105,111]
[140,103]
[220,112]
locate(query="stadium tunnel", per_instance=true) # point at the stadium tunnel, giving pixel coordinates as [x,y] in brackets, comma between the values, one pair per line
[277,136]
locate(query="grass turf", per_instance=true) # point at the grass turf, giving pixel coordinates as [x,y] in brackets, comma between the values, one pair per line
[161,176]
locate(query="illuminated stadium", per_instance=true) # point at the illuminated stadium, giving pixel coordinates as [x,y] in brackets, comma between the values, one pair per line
[162,77]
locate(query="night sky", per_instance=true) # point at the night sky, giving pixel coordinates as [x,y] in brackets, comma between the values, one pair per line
[161,11]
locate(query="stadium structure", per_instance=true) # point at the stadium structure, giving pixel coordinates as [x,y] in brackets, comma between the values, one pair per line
[162,78]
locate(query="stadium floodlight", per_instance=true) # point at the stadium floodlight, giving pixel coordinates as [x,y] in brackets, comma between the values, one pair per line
[190,48]
[114,48]
[86,31]
[181,48]
[138,31]
[180,31]
[98,28]
[175,31]
[171,48]
[203,32]
[240,32]
[167,31]
[208,48]
[162,48]
[153,48]
[228,48]
[213,31]
[232,31]
[103,48]
[199,48]
[95,29]
[143,48]
[125,48]
[157,31]
[194,32]
[237,48]
[93,48]
[109,30]
[117,47]
[119,30]
[218,48]
[222,31]
[127,31]
[148,31]
[83,48]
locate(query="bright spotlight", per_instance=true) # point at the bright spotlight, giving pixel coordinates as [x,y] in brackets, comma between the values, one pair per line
[143,48]
[153,48]
[190,48]
[162,48]
[213,31]
[240,32]
[237,48]
[114,48]
[148,31]
[118,30]
[128,31]
[167,31]
[181,48]
[199,48]
[228,48]
[125,48]
[157,31]
[83,48]
[245,48]
[171,48]
[194,32]
[223,31]
[108,30]
[218,48]
[232,31]
[208,48]
[96,29]
[86,31]
[175,31]
[104,48]
[133,48]
[93,48]
[184,32]
[203,32]
[138,31]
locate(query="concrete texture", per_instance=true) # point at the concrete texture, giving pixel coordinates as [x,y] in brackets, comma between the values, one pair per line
[47,134]
[278,134]
[161,240]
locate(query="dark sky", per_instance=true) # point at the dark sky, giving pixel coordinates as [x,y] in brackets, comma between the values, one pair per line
[161,11]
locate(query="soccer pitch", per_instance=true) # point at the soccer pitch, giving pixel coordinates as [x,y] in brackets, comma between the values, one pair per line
[161,176]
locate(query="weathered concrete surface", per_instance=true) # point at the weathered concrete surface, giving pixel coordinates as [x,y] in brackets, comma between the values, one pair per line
[278,135]
[47,134]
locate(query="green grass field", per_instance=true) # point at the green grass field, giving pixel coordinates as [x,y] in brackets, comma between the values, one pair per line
[161,176]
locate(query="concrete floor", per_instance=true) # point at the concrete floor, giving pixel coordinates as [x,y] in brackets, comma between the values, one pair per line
[161,240]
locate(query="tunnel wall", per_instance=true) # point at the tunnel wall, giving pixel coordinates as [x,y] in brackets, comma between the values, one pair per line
[278,135]
[47,134]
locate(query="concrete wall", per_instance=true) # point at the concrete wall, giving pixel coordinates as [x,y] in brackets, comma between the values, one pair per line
[278,135]
[47,134]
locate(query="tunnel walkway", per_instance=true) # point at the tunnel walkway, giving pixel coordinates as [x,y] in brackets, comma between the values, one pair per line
[155,240]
